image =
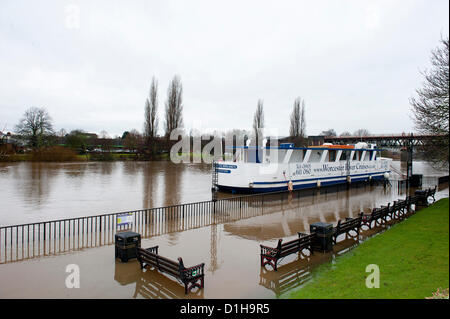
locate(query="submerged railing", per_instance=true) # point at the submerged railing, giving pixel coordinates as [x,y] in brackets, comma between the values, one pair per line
[18,242]
[51,237]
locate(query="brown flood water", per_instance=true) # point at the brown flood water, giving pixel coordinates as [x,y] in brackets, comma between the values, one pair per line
[229,249]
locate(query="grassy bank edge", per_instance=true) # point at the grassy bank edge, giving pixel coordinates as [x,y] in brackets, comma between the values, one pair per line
[413,257]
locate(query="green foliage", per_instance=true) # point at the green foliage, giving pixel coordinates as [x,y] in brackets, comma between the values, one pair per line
[78,140]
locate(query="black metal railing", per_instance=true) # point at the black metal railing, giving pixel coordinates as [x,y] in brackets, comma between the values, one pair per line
[18,242]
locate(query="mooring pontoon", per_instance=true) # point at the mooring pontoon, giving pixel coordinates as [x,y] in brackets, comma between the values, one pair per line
[267,169]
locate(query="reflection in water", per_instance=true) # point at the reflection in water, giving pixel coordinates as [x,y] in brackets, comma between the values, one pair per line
[34,183]
[46,191]
[288,276]
[280,220]
[150,187]
[214,262]
[419,167]
[151,283]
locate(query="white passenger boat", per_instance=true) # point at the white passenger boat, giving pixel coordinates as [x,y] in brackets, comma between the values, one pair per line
[268,169]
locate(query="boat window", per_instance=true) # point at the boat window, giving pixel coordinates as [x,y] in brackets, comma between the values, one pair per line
[332,155]
[315,156]
[344,156]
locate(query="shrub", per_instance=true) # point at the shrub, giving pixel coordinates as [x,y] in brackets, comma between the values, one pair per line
[53,154]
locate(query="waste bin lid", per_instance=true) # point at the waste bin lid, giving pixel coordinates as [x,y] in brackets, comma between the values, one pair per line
[127,234]
[322,225]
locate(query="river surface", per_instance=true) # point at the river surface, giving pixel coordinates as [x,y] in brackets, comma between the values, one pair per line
[228,247]
[32,192]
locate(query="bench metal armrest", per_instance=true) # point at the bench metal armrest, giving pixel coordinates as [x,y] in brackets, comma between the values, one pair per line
[270,251]
[193,272]
[365,217]
[153,250]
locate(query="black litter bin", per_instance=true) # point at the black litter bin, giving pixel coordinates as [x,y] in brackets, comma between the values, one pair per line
[324,236]
[126,244]
[422,197]
[416,180]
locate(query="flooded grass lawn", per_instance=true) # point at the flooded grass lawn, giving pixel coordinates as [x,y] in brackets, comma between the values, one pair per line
[412,256]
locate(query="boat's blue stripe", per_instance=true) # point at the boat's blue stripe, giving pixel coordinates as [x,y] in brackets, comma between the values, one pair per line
[320,178]
[283,188]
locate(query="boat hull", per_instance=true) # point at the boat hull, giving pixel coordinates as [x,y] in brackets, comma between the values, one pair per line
[309,185]
[258,178]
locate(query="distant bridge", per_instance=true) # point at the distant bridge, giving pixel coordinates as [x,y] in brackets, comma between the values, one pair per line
[406,140]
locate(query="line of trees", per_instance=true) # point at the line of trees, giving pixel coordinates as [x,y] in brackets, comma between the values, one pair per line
[359,132]
[173,117]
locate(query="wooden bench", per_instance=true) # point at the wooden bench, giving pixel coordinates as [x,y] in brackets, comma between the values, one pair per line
[367,219]
[431,192]
[347,226]
[271,255]
[391,211]
[421,196]
[386,211]
[412,200]
[399,208]
[191,277]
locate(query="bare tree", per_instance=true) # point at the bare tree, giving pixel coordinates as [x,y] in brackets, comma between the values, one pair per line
[303,121]
[330,132]
[258,120]
[104,134]
[62,132]
[174,106]
[35,126]
[151,107]
[132,140]
[295,119]
[431,107]
[361,132]
[346,133]
[298,121]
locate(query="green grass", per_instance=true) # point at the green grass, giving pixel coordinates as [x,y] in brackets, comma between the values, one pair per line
[413,259]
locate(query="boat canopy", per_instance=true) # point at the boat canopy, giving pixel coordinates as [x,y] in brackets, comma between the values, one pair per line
[319,148]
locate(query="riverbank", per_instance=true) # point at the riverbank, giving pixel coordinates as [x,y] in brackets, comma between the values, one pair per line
[94,157]
[412,256]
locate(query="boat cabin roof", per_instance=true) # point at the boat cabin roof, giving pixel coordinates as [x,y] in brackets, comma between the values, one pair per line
[317,148]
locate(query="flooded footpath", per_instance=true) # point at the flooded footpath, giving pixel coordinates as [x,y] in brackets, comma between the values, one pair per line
[228,245]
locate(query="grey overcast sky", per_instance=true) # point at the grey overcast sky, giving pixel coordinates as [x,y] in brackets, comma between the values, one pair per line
[90,63]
